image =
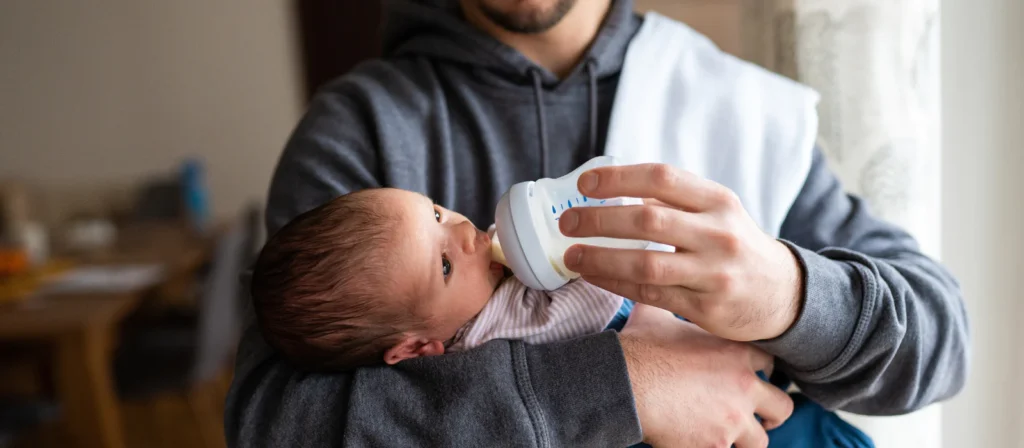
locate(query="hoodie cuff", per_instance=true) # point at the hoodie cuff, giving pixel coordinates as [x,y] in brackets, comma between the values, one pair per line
[833,314]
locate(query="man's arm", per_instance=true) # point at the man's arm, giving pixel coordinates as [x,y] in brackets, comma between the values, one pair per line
[883,329]
[573,393]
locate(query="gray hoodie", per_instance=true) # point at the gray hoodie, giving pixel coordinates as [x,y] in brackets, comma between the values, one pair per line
[454,114]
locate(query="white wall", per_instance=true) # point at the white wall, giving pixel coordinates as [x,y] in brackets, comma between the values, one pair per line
[112,90]
[983,93]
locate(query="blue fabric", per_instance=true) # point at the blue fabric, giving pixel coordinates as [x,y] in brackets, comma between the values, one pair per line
[621,317]
[810,426]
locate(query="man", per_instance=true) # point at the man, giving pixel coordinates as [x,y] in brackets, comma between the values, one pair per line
[475,95]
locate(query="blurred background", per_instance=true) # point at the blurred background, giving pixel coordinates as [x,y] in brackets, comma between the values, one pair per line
[137,141]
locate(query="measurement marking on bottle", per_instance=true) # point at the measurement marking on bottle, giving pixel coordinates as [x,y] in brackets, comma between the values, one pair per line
[553,209]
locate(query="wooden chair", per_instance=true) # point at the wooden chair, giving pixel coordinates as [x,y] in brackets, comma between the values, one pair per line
[172,374]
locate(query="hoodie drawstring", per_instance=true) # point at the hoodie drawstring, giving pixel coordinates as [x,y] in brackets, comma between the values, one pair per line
[542,121]
[592,105]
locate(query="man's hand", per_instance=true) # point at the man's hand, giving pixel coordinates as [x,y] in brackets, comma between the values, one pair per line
[726,275]
[696,389]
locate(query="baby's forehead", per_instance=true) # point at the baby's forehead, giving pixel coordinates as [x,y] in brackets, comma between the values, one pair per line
[414,241]
[410,250]
[411,264]
[395,200]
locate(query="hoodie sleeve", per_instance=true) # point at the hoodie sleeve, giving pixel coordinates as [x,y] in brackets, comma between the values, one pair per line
[883,329]
[574,393]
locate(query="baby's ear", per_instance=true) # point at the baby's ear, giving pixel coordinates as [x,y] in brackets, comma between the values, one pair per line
[412,347]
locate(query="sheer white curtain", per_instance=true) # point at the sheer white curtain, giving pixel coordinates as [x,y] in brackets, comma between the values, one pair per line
[875,63]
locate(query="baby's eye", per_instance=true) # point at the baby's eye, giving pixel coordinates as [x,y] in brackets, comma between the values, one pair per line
[446,266]
[437,215]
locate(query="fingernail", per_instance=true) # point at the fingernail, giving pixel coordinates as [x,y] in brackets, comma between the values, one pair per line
[573,257]
[588,182]
[569,221]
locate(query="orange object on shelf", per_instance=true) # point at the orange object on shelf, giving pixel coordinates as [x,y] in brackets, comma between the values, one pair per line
[15,287]
[13,262]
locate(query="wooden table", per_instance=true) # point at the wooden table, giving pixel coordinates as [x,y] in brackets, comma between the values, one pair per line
[82,327]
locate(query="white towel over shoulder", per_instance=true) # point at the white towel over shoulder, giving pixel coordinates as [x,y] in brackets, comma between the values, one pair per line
[683,102]
[517,312]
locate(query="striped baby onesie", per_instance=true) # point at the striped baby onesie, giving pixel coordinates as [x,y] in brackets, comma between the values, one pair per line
[517,312]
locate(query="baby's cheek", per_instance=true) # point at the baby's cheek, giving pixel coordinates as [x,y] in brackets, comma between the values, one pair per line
[481,297]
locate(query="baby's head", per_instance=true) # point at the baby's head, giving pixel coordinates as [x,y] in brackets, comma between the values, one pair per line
[377,275]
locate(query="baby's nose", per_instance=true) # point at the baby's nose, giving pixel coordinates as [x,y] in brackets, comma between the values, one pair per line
[473,238]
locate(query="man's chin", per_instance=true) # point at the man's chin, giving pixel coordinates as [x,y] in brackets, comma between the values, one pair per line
[528,19]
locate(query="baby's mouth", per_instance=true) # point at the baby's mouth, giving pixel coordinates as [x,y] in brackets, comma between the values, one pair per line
[498,270]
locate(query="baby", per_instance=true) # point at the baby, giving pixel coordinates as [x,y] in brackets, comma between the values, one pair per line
[385,275]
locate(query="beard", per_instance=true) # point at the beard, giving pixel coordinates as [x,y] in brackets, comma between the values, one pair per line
[531,21]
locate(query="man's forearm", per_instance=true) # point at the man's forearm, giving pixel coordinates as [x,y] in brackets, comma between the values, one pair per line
[575,393]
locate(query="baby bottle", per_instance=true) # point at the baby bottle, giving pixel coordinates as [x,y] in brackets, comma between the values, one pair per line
[528,240]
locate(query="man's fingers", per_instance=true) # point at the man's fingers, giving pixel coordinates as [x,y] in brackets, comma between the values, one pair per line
[753,435]
[773,405]
[645,267]
[769,370]
[671,298]
[674,187]
[652,201]
[761,361]
[640,222]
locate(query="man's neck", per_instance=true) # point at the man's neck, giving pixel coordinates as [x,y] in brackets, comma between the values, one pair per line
[558,49]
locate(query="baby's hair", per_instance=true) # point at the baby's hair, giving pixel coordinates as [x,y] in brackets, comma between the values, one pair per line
[318,283]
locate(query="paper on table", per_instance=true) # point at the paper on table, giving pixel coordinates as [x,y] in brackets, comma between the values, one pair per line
[107,278]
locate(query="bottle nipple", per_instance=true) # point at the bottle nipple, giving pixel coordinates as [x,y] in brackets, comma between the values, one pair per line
[497,255]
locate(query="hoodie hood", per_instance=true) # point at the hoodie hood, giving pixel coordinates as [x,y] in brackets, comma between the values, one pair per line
[436,29]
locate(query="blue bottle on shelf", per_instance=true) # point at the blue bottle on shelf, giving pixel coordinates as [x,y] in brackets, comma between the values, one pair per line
[193,186]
